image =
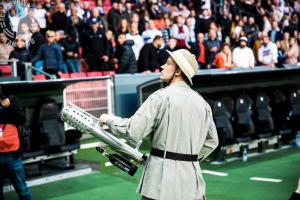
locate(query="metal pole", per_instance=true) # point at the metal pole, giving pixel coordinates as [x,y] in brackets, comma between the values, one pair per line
[28,71]
[14,72]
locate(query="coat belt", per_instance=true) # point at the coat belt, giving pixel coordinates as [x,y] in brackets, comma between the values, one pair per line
[174,156]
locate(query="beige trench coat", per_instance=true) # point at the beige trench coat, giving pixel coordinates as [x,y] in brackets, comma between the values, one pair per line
[178,120]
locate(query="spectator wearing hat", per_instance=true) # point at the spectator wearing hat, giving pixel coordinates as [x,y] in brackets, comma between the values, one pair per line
[96,49]
[95,16]
[242,55]
[22,54]
[268,52]
[182,131]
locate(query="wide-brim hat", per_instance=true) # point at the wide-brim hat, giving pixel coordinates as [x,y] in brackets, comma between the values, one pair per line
[186,62]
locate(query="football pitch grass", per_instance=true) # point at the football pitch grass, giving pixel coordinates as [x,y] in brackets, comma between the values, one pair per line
[110,183]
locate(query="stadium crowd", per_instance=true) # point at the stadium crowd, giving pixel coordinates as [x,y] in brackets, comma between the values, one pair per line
[133,36]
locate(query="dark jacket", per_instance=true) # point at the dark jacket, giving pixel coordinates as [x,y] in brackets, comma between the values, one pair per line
[51,55]
[202,25]
[38,39]
[125,55]
[70,46]
[148,58]
[14,114]
[96,44]
[59,21]
[278,35]
[208,44]
[113,20]
[295,196]
[23,55]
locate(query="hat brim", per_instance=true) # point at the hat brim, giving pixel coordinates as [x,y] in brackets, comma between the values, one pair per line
[180,63]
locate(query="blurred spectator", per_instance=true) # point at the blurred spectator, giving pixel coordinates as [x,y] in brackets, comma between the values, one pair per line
[96,48]
[212,46]
[181,33]
[285,42]
[125,56]
[191,30]
[275,33]
[25,33]
[109,65]
[123,26]
[203,22]
[14,19]
[86,10]
[151,32]
[59,18]
[149,56]
[280,55]
[37,38]
[40,15]
[75,25]
[22,54]
[267,53]
[243,56]
[166,31]
[224,58]
[71,53]
[100,7]
[164,55]
[5,49]
[267,25]
[257,45]
[141,22]
[28,19]
[114,17]
[137,38]
[293,53]
[51,55]
[199,50]
[96,17]
[251,30]
[75,5]
[225,23]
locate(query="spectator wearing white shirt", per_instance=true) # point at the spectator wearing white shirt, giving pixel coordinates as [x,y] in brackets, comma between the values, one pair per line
[14,19]
[40,15]
[137,38]
[268,52]
[243,56]
[149,34]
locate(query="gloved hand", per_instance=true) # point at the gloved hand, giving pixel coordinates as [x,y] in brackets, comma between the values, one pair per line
[104,118]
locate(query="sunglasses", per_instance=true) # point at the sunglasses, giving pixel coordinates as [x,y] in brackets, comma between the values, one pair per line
[50,36]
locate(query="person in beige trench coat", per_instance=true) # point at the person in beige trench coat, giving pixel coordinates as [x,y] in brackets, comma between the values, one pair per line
[181,129]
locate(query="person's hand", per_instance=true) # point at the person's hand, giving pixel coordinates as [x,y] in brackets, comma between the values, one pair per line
[5,102]
[70,53]
[147,72]
[104,118]
[298,187]
[105,58]
[213,49]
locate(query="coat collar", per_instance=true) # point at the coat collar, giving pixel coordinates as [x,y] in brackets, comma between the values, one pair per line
[179,84]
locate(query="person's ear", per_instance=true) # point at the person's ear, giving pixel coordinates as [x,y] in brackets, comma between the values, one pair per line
[178,72]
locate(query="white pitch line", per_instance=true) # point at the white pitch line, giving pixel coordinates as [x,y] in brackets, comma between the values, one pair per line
[214,173]
[266,179]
